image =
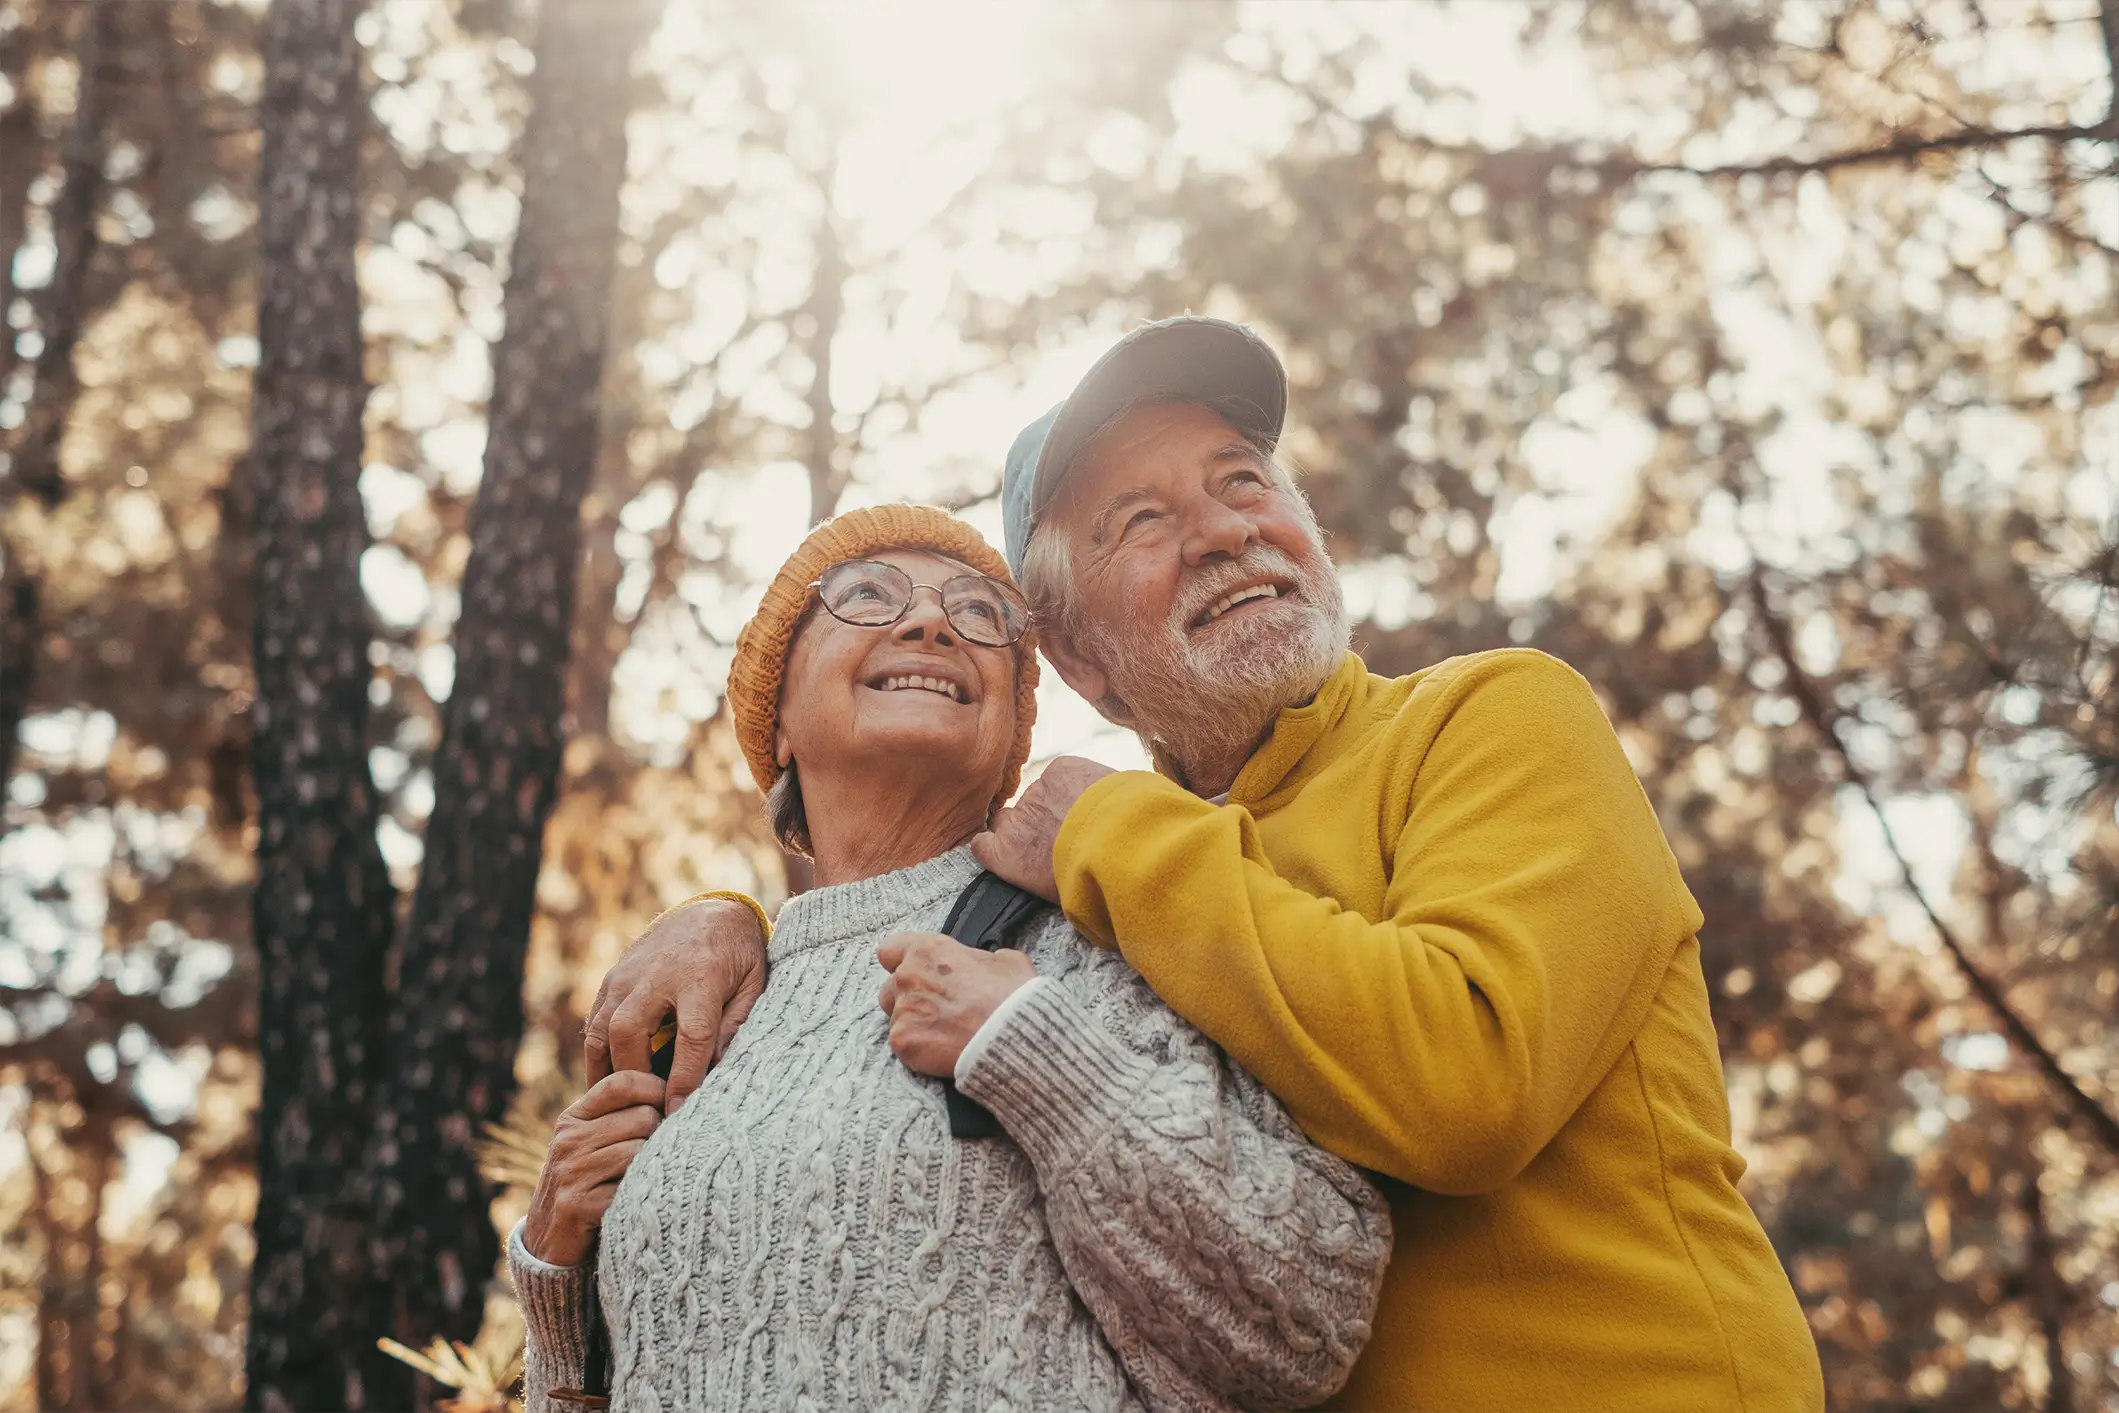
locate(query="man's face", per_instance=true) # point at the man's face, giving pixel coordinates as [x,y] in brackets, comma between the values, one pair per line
[1199,572]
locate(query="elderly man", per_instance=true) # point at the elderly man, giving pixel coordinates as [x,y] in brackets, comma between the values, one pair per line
[1434,914]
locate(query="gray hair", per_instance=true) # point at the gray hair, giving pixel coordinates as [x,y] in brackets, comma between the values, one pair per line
[785,813]
[1048,582]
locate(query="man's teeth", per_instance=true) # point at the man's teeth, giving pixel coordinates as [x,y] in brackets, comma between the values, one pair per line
[1257,591]
[925,684]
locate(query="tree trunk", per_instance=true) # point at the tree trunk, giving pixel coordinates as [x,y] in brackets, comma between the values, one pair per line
[70,1375]
[458,1017]
[21,157]
[52,1363]
[2049,1294]
[33,461]
[322,906]
[825,309]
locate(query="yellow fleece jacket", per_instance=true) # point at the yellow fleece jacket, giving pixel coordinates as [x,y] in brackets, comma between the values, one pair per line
[1439,919]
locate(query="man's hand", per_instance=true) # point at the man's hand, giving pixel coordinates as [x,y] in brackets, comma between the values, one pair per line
[1019,846]
[939,993]
[595,1143]
[706,962]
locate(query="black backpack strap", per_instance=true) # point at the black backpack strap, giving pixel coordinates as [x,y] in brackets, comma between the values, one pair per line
[988,912]
[987,916]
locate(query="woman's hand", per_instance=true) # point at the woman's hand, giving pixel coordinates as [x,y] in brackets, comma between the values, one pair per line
[591,1149]
[939,993]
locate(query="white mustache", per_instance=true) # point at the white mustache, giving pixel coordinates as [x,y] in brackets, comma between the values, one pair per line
[1203,588]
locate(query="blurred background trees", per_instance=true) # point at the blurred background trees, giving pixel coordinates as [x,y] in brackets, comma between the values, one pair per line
[1759,360]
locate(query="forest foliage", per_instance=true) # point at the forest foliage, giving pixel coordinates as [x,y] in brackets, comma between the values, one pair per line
[1760,360]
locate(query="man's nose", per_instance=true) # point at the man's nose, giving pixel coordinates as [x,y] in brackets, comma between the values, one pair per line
[924,620]
[1217,531]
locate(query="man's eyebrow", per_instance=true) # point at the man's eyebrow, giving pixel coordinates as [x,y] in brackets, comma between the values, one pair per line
[1238,451]
[1102,523]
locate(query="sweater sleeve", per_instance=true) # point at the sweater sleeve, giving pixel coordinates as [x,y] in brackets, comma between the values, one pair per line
[1225,1258]
[1530,908]
[557,1304]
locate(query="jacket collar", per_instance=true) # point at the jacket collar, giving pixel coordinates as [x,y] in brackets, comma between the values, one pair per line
[1298,731]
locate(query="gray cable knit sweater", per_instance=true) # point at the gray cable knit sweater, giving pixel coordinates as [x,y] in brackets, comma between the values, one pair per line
[805,1234]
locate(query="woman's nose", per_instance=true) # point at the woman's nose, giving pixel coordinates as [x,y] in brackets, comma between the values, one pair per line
[924,619]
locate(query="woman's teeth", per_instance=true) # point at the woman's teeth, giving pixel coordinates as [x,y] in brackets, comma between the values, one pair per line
[1257,591]
[925,684]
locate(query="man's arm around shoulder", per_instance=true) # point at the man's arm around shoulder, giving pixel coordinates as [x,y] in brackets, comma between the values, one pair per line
[1530,908]
[704,960]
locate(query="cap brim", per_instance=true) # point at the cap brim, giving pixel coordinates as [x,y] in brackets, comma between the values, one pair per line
[1220,365]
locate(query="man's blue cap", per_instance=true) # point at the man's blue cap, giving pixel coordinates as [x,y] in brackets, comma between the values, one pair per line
[1212,362]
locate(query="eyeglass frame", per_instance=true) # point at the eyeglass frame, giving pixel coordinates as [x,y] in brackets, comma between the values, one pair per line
[1009,593]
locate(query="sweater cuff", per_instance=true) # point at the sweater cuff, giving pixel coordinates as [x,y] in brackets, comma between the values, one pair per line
[991,1026]
[555,1302]
[765,924]
[1055,1076]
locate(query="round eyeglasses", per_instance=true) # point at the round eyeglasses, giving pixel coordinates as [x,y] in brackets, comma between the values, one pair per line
[868,594]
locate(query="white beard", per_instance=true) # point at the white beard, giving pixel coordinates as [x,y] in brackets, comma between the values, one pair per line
[1206,699]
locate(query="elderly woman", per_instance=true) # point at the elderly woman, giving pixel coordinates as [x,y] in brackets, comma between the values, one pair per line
[1152,1231]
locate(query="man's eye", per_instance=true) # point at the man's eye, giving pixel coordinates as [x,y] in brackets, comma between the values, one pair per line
[1139,518]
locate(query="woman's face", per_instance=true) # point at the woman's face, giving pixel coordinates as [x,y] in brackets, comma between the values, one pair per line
[853,696]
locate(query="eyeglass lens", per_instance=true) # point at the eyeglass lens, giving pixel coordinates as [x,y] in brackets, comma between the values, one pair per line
[869,594]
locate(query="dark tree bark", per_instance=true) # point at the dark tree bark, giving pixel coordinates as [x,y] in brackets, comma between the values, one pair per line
[33,460]
[322,906]
[458,1017]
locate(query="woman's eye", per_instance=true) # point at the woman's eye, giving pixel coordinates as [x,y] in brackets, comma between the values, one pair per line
[855,595]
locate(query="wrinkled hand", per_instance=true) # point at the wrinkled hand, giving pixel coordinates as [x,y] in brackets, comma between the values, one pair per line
[1019,846]
[591,1149]
[706,962]
[939,993]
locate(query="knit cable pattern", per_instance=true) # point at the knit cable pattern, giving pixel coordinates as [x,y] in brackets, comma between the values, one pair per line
[805,1234]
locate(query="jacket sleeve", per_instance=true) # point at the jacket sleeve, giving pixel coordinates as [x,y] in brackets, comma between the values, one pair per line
[557,1304]
[1531,907]
[1225,1258]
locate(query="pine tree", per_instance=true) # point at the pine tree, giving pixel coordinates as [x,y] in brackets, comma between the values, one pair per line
[456,1019]
[322,907]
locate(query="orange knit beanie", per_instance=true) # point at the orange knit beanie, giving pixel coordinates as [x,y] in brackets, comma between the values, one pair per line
[761,648]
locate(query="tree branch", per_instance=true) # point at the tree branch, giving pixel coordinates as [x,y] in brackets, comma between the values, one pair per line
[1898,148]
[1825,721]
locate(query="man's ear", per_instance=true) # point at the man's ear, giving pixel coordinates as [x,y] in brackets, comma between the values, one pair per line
[1085,675]
[782,752]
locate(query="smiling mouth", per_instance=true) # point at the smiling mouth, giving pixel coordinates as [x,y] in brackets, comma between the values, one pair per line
[905,682]
[1256,593]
